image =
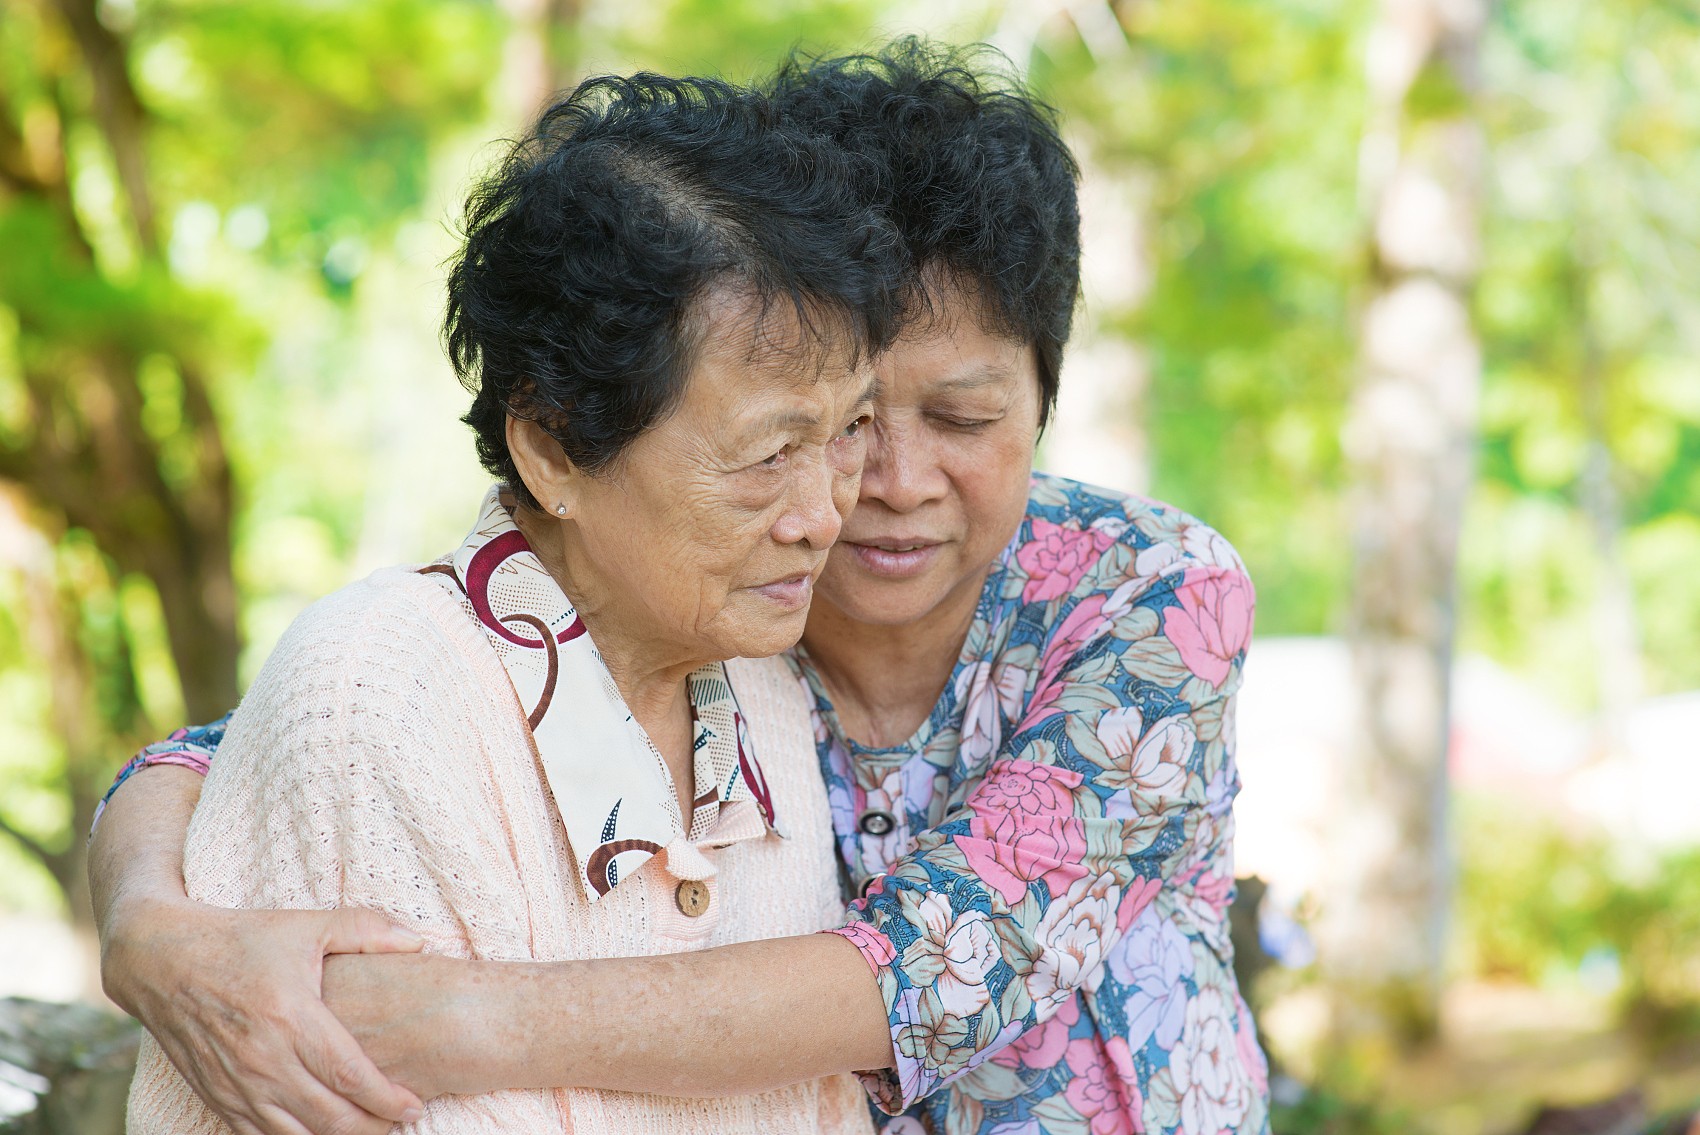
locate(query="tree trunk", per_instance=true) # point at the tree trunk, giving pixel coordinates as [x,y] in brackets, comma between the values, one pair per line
[1098,432]
[1409,440]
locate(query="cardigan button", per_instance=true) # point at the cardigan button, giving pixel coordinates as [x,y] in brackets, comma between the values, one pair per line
[877,823]
[691,897]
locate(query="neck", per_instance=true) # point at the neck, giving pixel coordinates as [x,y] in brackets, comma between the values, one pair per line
[884,679]
[652,684]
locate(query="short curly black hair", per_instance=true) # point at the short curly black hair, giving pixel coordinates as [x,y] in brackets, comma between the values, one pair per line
[589,248]
[977,177]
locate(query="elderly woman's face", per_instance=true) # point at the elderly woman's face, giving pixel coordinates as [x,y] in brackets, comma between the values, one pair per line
[705,538]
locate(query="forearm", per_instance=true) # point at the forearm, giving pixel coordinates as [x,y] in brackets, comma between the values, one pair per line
[740,1018]
[136,854]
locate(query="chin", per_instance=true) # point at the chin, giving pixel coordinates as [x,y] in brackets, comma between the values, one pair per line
[880,603]
[772,636]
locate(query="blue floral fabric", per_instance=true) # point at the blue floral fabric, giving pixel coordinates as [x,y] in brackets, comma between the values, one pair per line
[1046,866]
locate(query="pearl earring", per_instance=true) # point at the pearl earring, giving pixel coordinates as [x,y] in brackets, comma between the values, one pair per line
[560,510]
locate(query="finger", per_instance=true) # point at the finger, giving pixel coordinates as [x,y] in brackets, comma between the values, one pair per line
[218,1092]
[341,1065]
[336,1117]
[298,1104]
[367,932]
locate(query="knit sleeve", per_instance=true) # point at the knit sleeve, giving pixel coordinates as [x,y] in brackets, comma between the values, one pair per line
[354,774]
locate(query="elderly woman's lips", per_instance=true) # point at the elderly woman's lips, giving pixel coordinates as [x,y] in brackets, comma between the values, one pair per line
[894,559]
[791,593]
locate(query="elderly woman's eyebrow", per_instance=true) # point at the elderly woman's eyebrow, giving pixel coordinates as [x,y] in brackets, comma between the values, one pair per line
[869,395]
[781,421]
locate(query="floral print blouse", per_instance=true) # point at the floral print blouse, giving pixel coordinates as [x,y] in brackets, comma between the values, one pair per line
[1045,867]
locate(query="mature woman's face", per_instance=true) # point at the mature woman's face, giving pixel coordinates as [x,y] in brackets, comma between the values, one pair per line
[949,458]
[705,538]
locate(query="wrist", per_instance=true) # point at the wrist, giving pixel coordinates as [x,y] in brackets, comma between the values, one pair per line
[136,937]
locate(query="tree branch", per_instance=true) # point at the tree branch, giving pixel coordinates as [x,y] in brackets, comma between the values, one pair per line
[118,110]
[33,846]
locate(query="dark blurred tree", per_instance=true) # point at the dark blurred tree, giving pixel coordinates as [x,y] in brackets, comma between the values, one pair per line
[113,454]
[85,328]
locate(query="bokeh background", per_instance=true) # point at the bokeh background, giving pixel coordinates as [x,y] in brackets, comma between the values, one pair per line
[1403,296]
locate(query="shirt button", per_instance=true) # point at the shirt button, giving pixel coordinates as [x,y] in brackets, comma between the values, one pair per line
[877,823]
[691,898]
[868,884]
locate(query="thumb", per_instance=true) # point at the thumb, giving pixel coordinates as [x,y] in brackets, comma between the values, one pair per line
[367,932]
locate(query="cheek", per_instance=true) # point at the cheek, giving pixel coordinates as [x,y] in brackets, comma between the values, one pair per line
[847,459]
[705,534]
[992,478]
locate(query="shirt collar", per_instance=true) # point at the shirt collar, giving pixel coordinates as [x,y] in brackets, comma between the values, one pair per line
[609,783]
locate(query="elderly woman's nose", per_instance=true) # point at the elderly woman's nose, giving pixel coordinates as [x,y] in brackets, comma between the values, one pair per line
[811,516]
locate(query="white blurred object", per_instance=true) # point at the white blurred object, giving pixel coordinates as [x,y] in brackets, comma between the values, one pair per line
[42,958]
[1507,737]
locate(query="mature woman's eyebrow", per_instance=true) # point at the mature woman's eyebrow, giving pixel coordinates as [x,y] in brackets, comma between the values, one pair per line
[976,377]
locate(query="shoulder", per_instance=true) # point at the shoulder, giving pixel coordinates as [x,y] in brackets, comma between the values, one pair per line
[395,642]
[395,614]
[1115,567]
[1078,541]
[1162,535]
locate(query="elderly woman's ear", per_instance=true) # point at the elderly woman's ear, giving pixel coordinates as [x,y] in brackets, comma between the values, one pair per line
[553,479]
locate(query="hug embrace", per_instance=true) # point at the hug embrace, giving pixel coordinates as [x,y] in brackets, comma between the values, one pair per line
[778,741]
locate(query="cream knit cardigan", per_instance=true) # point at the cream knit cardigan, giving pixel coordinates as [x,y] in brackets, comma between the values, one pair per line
[381,760]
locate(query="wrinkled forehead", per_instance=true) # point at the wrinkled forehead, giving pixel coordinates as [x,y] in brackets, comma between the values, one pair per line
[779,336]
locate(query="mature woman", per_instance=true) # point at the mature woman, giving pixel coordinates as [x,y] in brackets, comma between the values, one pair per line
[531,749]
[1023,693]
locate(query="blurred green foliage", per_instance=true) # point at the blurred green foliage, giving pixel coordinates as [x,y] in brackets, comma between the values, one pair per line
[305,160]
[1540,904]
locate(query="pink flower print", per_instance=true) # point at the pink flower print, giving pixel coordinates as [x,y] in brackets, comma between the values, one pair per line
[1024,828]
[1056,558]
[1214,891]
[1251,1054]
[1041,1047]
[1095,1091]
[1136,899]
[1213,622]
[1121,1062]
[875,946]
[1083,625]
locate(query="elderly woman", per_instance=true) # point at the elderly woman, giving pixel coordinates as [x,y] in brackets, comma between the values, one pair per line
[1023,696]
[531,748]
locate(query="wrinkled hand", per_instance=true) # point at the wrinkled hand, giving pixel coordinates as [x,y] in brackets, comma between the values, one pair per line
[234,999]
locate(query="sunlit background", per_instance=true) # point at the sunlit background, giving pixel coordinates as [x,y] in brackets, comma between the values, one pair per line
[1401,296]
